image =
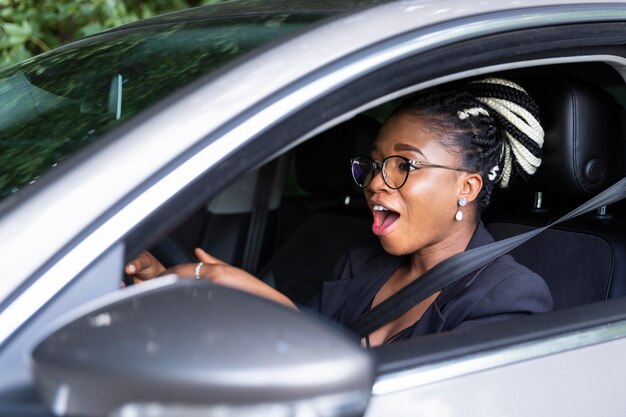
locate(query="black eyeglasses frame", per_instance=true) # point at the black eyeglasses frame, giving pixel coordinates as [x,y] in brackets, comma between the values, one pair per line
[380,165]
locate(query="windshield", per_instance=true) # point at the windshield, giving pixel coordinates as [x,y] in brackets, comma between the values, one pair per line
[58,103]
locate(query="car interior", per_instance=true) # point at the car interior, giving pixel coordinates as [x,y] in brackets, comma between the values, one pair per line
[289,221]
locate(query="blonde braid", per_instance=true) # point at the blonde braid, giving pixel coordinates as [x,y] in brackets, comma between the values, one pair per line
[523,135]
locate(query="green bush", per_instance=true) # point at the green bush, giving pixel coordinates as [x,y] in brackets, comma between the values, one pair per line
[30,27]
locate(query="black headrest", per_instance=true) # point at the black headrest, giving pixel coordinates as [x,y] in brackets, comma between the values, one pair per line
[323,162]
[582,152]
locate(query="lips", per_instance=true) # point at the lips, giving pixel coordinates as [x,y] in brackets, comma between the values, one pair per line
[384,219]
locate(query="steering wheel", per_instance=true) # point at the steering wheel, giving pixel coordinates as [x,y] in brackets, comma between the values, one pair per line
[170,252]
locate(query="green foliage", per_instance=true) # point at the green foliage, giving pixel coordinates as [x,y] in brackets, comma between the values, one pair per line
[56,104]
[29,27]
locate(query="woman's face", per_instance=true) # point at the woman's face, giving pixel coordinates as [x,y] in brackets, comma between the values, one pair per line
[420,214]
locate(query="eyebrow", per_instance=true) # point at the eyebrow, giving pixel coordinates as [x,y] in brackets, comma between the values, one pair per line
[402,147]
[407,147]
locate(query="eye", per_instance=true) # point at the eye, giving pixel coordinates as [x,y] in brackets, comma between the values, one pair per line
[405,166]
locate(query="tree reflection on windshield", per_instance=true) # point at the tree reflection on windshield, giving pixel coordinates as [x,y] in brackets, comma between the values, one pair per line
[56,104]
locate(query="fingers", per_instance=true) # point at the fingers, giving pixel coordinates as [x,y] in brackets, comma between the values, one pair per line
[142,261]
[206,258]
[144,266]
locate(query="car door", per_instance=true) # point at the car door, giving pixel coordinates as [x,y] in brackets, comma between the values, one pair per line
[387,63]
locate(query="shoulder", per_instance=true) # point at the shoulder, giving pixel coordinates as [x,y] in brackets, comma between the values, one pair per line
[515,285]
[503,289]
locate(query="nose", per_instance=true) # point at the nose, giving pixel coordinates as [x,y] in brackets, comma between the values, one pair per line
[377,183]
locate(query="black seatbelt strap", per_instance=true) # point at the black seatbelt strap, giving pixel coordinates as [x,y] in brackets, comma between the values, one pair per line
[258,217]
[460,265]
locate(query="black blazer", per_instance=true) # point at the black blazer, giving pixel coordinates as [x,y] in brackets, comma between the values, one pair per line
[501,290]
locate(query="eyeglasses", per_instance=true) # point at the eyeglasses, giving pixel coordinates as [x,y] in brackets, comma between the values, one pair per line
[395,170]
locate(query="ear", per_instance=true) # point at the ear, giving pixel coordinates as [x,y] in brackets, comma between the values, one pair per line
[470,185]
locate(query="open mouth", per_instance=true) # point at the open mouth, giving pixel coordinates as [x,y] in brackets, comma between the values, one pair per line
[383,219]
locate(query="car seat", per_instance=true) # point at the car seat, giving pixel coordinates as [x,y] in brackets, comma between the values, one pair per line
[331,217]
[583,260]
[225,226]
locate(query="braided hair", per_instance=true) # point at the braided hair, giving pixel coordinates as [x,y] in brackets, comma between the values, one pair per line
[492,123]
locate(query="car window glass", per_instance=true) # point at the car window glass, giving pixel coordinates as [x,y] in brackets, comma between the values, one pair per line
[56,104]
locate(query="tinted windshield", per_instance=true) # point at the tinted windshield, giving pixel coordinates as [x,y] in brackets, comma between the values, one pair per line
[58,103]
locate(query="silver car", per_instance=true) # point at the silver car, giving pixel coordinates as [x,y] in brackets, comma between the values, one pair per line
[225,127]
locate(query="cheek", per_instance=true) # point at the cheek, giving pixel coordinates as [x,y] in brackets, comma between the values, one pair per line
[427,211]
[429,208]
[418,218]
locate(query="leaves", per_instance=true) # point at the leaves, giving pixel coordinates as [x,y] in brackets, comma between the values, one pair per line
[30,27]
[56,104]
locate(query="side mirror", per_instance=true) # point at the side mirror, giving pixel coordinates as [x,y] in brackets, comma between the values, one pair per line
[192,348]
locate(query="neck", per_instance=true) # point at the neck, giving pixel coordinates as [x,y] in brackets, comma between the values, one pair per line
[425,258]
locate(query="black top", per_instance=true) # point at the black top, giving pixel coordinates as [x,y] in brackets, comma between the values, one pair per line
[503,289]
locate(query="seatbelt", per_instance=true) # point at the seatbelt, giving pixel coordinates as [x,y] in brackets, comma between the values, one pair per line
[460,265]
[258,217]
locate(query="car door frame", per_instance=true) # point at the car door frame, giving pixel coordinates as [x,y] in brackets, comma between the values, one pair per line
[413,369]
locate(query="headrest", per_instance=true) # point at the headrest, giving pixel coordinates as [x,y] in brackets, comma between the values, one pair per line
[323,162]
[582,152]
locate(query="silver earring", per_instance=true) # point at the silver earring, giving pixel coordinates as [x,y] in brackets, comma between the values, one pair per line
[459,214]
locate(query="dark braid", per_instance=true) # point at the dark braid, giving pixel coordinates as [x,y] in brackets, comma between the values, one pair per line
[506,93]
[491,123]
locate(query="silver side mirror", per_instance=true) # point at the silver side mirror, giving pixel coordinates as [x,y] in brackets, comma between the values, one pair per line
[196,349]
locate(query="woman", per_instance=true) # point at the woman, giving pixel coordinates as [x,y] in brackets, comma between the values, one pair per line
[440,156]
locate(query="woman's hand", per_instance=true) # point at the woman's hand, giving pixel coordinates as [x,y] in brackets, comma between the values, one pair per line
[221,273]
[144,267]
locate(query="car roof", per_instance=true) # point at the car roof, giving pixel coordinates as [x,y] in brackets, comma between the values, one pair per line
[255,8]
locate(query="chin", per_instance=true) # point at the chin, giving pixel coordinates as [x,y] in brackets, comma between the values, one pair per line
[393,248]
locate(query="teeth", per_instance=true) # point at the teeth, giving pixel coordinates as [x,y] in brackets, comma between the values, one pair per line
[379,208]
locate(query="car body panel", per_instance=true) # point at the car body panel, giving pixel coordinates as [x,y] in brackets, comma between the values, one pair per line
[579,382]
[15,359]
